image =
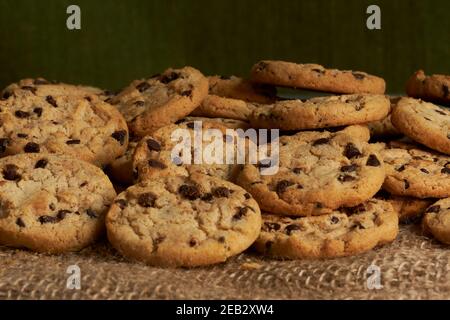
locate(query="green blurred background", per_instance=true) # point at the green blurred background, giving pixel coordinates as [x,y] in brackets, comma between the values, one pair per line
[121,40]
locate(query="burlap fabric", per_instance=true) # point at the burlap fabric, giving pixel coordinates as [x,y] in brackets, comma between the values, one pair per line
[413,267]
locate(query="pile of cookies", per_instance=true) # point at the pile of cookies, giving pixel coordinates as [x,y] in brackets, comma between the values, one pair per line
[350,165]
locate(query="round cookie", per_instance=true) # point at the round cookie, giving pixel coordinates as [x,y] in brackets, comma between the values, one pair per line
[121,169]
[434,88]
[238,88]
[51,203]
[317,173]
[84,128]
[409,209]
[153,156]
[43,88]
[316,77]
[183,221]
[321,112]
[415,172]
[229,123]
[423,122]
[219,107]
[437,220]
[344,232]
[148,105]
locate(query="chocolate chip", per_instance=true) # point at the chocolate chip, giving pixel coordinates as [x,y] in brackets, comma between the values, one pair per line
[373,161]
[433,209]
[242,211]
[21,114]
[441,112]
[247,196]
[334,220]
[4,143]
[38,111]
[445,170]
[52,206]
[221,239]
[139,103]
[48,219]
[91,213]
[153,145]
[156,164]
[28,88]
[121,203]
[351,151]
[143,86]
[297,170]
[32,147]
[120,136]
[358,76]
[346,178]
[147,200]
[321,141]
[221,192]
[193,242]
[41,164]
[190,125]
[353,210]
[51,101]
[350,168]
[73,141]
[169,77]
[20,222]
[270,226]
[319,205]
[282,186]
[84,184]
[189,192]
[424,170]
[401,168]
[207,197]
[445,90]
[406,184]
[261,66]
[291,228]
[6,95]
[319,71]
[22,135]
[62,214]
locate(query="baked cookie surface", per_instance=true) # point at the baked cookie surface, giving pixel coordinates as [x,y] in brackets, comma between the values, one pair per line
[423,122]
[317,173]
[437,220]
[344,232]
[316,77]
[183,221]
[51,203]
[434,88]
[84,128]
[214,106]
[321,112]
[148,105]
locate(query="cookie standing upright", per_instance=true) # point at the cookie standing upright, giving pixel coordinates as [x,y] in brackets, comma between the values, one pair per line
[83,127]
[437,220]
[316,174]
[321,112]
[434,88]
[148,105]
[344,232]
[183,221]
[51,203]
[316,77]
[423,122]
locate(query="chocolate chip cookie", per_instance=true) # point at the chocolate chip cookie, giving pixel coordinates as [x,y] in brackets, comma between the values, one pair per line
[434,88]
[82,127]
[51,203]
[343,232]
[423,122]
[242,89]
[161,153]
[416,172]
[317,173]
[321,112]
[148,105]
[437,220]
[183,221]
[214,106]
[121,168]
[316,77]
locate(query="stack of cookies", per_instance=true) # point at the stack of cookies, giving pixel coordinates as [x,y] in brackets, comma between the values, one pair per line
[349,165]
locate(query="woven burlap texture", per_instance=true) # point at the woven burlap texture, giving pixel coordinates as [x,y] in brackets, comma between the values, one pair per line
[413,267]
